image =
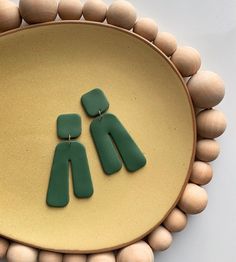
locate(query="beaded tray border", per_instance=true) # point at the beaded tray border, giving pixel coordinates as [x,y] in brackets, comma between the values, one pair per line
[206,90]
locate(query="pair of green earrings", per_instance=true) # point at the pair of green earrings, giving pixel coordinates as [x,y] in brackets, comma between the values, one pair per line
[110,138]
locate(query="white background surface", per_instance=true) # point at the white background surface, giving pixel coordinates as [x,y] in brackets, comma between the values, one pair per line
[210,27]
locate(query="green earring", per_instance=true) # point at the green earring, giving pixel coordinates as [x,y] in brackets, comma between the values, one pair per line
[110,136]
[69,127]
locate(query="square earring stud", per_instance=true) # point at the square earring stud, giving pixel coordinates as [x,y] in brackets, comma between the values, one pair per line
[95,102]
[68,126]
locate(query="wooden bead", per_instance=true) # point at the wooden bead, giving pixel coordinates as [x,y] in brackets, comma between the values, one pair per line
[194,199]
[4,244]
[121,13]
[70,9]
[166,42]
[176,221]
[103,257]
[187,60]
[146,28]
[95,10]
[137,252]
[74,258]
[160,239]
[47,256]
[20,253]
[206,89]
[211,123]
[38,11]
[9,16]
[201,173]
[207,150]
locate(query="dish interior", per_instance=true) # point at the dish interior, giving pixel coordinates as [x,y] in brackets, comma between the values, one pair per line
[44,71]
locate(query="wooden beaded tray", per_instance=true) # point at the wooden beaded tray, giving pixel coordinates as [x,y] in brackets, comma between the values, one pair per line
[44,71]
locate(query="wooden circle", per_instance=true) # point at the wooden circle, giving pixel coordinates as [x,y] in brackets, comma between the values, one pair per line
[187,60]
[147,28]
[176,221]
[160,239]
[206,89]
[57,82]
[95,10]
[194,199]
[166,42]
[139,251]
[70,9]
[207,150]
[9,16]
[121,13]
[211,123]
[4,244]
[39,11]
[201,173]
[17,252]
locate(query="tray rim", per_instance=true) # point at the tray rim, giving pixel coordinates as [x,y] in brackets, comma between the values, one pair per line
[194,126]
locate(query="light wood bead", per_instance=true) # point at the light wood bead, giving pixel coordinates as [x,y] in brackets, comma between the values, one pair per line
[95,10]
[122,13]
[201,173]
[103,257]
[20,253]
[9,16]
[211,123]
[38,11]
[137,252]
[4,244]
[166,42]
[160,239]
[70,9]
[194,199]
[176,221]
[187,60]
[207,150]
[74,258]
[206,89]
[47,256]
[146,28]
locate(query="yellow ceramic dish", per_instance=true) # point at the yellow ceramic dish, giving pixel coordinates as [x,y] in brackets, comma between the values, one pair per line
[44,70]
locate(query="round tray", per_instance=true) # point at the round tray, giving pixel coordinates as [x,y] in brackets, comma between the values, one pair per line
[45,69]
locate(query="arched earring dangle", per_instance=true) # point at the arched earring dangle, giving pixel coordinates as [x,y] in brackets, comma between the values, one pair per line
[68,128]
[110,137]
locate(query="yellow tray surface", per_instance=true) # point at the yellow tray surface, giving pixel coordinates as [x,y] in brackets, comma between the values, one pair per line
[44,70]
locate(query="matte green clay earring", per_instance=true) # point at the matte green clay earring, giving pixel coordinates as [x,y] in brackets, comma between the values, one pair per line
[69,127]
[110,136]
